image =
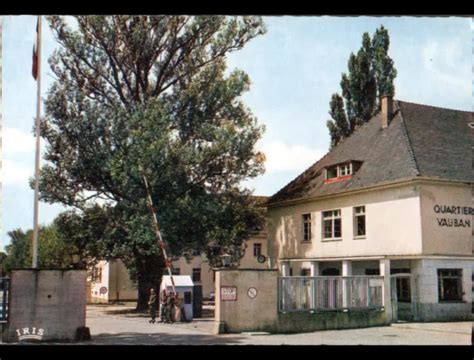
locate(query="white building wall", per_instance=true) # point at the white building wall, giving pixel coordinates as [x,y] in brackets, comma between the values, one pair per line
[121,287]
[426,296]
[96,296]
[393,226]
[207,273]
[446,240]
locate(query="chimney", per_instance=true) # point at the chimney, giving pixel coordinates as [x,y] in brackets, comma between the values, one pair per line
[386,110]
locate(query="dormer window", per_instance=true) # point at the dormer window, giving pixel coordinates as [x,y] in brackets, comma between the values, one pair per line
[345,170]
[341,171]
[331,173]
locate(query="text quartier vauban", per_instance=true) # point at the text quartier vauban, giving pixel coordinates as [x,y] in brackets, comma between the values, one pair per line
[454,210]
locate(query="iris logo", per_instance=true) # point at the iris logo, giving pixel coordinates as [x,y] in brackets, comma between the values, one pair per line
[27,333]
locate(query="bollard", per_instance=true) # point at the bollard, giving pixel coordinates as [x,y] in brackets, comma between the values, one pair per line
[220,327]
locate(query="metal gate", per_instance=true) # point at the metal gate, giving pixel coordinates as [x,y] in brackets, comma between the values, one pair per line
[4,293]
[333,293]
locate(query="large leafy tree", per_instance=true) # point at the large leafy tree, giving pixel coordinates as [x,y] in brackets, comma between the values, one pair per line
[151,94]
[55,250]
[370,75]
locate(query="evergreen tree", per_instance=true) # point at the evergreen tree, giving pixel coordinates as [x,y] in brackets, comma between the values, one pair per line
[370,74]
[384,70]
[338,124]
[359,86]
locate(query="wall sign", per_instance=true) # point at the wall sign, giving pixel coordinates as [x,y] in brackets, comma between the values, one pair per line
[375,282]
[28,333]
[453,210]
[103,290]
[228,293]
[252,293]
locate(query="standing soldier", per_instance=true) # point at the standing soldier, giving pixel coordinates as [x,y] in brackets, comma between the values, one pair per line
[162,306]
[170,308]
[177,310]
[152,305]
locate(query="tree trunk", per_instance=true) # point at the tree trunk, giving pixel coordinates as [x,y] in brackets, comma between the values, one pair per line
[149,273]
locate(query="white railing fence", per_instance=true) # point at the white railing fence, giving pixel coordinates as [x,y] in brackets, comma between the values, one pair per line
[303,293]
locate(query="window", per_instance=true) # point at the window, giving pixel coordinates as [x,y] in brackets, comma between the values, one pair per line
[331,173]
[306,227]
[359,213]
[196,274]
[257,249]
[175,271]
[305,272]
[450,284]
[344,170]
[341,171]
[97,275]
[337,171]
[332,224]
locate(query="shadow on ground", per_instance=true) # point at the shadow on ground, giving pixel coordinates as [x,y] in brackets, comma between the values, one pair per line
[132,338]
[206,313]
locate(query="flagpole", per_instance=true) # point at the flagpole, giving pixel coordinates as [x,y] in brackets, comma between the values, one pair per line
[37,157]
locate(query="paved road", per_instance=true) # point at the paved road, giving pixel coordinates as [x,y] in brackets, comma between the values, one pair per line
[113,326]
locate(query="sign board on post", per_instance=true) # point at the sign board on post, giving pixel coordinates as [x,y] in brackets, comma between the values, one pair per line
[375,282]
[228,293]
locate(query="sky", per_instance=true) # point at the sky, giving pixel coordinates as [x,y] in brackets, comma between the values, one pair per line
[295,68]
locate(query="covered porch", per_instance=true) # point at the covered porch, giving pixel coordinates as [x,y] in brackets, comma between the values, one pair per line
[350,284]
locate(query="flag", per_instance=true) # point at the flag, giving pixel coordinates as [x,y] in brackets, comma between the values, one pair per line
[34,69]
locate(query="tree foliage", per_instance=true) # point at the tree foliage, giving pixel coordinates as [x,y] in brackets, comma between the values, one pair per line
[54,249]
[370,75]
[151,94]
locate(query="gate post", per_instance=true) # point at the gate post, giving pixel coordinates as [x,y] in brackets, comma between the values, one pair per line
[386,290]
[346,271]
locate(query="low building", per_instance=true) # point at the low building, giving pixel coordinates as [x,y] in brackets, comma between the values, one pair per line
[392,198]
[110,281]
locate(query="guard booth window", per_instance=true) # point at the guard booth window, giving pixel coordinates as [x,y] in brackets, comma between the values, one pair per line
[450,285]
[187,297]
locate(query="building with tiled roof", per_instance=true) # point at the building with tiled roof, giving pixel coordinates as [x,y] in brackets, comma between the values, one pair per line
[395,198]
[110,280]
